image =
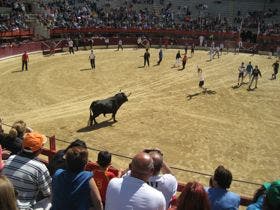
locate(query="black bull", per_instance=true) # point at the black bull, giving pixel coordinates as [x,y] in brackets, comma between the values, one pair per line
[106,106]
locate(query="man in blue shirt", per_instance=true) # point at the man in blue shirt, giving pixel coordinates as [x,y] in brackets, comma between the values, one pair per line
[220,198]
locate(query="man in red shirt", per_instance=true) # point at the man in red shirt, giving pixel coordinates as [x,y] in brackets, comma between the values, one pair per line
[25,60]
[103,172]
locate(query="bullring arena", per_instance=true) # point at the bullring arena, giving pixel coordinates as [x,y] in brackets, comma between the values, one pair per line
[229,126]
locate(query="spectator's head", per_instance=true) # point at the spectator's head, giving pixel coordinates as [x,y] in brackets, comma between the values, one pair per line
[272,198]
[7,194]
[76,158]
[33,143]
[20,127]
[222,177]
[77,143]
[142,166]
[104,159]
[158,161]
[193,197]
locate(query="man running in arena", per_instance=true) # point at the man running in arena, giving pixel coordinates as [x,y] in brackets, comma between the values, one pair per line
[25,60]
[241,71]
[255,76]
[201,80]
[192,50]
[275,70]
[184,61]
[249,70]
[92,59]
[178,57]
[160,56]
[147,58]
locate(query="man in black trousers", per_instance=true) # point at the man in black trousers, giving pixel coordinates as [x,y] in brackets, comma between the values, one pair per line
[147,58]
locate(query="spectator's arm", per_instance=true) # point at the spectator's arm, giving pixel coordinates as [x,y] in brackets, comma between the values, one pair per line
[165,169]
[95,195]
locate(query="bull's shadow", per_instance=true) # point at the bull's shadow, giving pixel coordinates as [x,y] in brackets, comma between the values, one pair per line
[104,124]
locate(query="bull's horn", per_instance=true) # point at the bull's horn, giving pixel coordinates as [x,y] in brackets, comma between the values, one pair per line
[120,90]
[129,94]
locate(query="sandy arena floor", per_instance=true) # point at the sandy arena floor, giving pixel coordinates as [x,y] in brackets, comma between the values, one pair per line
[234,127]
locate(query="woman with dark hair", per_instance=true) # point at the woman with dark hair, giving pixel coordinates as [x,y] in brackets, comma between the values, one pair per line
[58,160]
[193,197]
[73,188]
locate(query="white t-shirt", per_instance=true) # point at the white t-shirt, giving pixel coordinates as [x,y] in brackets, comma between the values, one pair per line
[120,42]
[130,193]
[201,76]
[70,43]
[165,183]
[91,56]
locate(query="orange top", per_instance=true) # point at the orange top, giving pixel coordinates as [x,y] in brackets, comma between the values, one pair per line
[101,177]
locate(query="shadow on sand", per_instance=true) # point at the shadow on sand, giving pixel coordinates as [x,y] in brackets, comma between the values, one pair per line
[17,71]
[103,124]
[85,69]
[209,92]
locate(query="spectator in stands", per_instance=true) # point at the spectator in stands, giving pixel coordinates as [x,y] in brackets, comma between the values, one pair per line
[132,191]
[75,188]
[165,182]
[220,198]
[25,61]
[193,197]
[58,161]
[13,140]
[28,175]
[267,197]
[102,171]
[7,194]
[1,160]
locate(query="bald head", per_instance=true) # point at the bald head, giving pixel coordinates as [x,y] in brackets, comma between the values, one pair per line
[158,160]
[142,166]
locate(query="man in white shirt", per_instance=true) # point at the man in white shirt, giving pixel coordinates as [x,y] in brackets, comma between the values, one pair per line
[71,45]
[132,192]
[92,59]
[165,182]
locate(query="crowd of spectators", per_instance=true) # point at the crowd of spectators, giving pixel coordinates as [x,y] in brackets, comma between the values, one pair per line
[73,182]
[85,14]
[14,20]
[63,14]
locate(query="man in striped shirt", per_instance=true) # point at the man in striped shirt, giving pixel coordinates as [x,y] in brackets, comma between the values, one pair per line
[28,175]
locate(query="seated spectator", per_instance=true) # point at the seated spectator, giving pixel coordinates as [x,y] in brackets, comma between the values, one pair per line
[28,175]
[58,160]
[193,197]
[132,191]
[165,182]
[74,188]
[7,194]
[267,197]
[1,160]
[102,173]
[220,198]
[13,140]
